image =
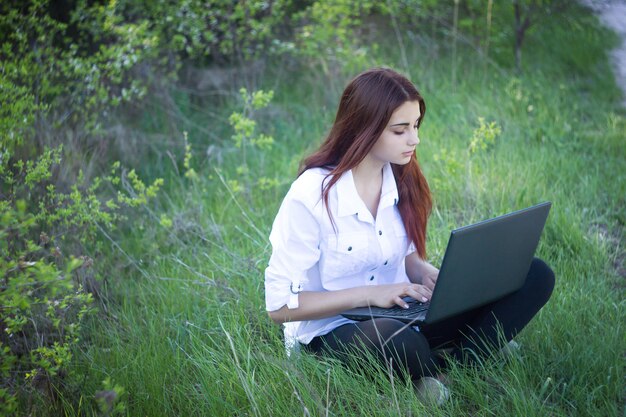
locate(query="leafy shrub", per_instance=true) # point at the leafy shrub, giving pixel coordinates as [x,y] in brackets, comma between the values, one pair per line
[62,69]
[327,34]
[73,68]
[484,136]
[247,139]
[214,31]
[43,299]
[447,175]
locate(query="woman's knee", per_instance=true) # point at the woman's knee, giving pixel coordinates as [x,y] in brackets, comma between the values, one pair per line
[408,347]
[391,333]
[540,279]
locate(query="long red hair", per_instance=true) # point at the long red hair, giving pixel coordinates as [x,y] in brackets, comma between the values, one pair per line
[364,111]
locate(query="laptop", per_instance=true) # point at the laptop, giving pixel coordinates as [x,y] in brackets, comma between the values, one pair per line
[483,262]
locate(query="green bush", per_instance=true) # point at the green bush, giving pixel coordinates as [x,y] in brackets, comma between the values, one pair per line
[209,32]
[74,69]
[43,290]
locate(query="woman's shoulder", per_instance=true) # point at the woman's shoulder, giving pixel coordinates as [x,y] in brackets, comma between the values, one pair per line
[308,186]
[313,175]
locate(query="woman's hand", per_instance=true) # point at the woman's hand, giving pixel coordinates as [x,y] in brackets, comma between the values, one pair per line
[389,295]
[429,279]
[420,271]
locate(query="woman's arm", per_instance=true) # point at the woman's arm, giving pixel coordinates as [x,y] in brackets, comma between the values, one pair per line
[319,304]
[421,272]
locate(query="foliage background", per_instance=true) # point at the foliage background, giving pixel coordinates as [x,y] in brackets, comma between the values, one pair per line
[145,148]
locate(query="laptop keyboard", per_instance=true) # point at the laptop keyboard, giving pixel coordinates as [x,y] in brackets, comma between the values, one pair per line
[398,311]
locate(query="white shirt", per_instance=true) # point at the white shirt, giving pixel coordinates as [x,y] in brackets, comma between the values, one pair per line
[309,255]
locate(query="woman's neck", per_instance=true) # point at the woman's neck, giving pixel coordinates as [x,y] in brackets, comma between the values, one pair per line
[368,180]
[368,171]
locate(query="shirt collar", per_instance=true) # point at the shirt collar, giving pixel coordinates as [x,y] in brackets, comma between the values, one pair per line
[389,192]
[348,200]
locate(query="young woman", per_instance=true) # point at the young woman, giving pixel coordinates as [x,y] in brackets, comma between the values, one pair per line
[351,232]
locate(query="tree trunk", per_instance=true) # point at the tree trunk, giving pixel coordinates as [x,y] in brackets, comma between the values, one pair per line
[519,39]
[489,6]
[454,40]
[520,31]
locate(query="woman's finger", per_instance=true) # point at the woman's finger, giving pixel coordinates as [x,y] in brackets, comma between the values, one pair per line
[425,293]
[432,282]
[419,292]
[400,302]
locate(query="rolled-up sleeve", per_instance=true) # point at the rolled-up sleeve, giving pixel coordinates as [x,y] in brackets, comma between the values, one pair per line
[295,240]
[412,248]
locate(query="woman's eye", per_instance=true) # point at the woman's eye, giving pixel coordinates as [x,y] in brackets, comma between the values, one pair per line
[398,133]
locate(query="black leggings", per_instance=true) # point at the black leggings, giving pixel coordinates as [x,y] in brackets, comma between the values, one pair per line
[472,335]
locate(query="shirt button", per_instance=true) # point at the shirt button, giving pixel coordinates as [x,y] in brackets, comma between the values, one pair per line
[380,233]
[372,278]
[349,248]
[386,262]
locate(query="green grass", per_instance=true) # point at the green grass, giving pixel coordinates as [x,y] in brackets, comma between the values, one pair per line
[185,331]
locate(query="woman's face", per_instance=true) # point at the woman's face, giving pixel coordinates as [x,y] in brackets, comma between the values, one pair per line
[398,141]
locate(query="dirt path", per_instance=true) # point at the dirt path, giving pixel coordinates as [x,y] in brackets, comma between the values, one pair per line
[613,14]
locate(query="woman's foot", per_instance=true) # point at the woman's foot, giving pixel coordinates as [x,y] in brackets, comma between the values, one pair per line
[511,349]
[431,391]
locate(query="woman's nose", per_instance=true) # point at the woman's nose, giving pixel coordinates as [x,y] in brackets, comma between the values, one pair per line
[414,138]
